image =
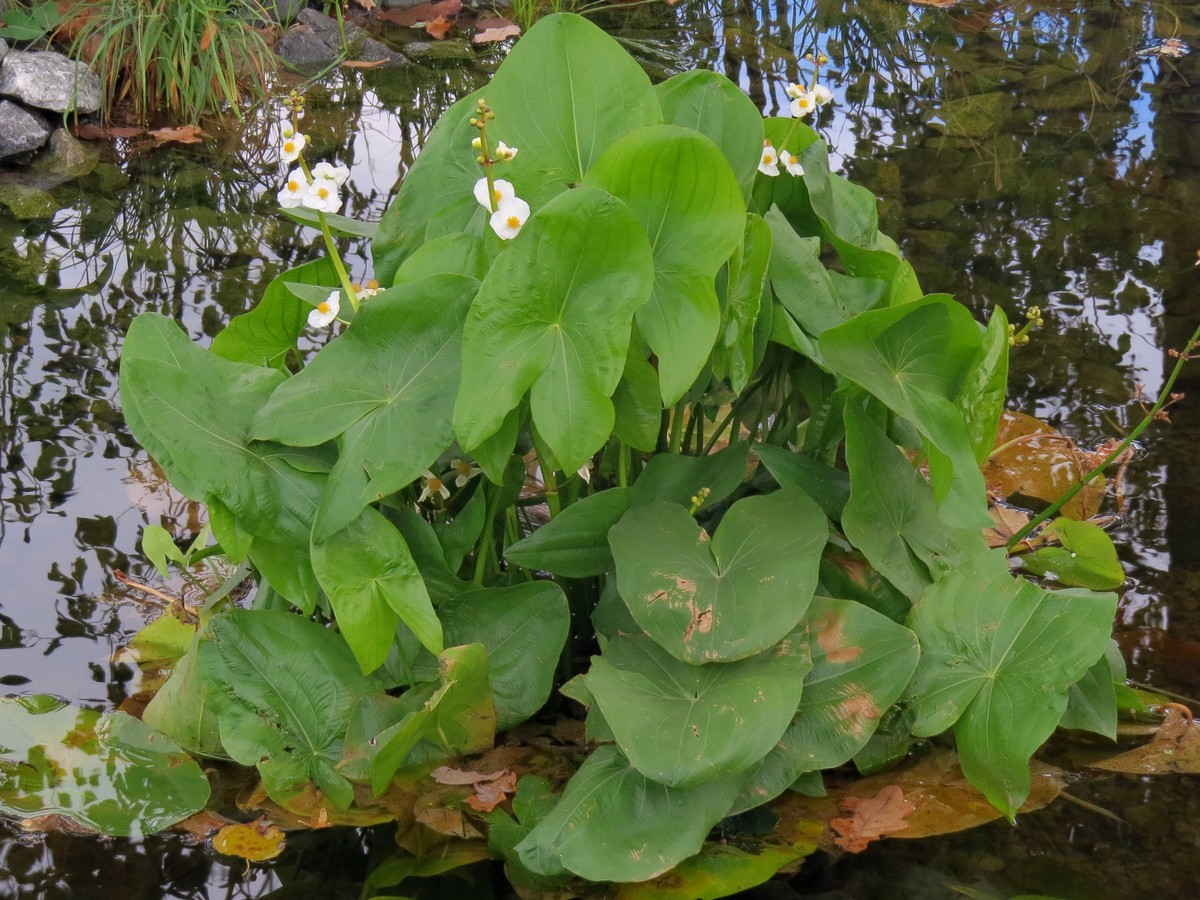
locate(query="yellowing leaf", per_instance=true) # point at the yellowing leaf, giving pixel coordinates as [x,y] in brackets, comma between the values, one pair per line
[489,31]
[254,841]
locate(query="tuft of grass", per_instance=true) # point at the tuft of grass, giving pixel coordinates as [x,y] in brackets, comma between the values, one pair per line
[181,58]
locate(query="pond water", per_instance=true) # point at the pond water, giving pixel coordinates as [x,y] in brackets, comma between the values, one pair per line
[1024,153]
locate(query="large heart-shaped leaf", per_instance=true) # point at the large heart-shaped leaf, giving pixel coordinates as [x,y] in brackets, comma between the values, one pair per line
[373,583]
[997,657]
[711,104]
[614,824]
[523,629]
[282,688]
[192,411]
[681,724]
[862,662]
[915,358]
[728,598]
[553,317]
[108,772]
[385,389]
[563,94]
[683,191]
[891,515]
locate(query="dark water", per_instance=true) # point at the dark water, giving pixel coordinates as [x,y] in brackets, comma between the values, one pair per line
[1023,153]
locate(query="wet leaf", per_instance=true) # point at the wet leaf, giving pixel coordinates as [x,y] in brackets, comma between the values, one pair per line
[107,772]
[871,819]
[1175,748]
[1033,460]
[488,31]
[489,794]
[1008,522]
[420,13]
[253,841]
[1087,557]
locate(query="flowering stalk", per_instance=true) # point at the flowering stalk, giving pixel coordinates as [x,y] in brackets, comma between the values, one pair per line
[484,114]
[1164,397]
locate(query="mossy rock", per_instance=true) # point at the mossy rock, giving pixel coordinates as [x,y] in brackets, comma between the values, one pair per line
[25,202]
[1075,94]
[434,52]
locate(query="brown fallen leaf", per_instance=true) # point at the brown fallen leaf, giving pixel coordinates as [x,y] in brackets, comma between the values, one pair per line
[490,794]
[365,4]
[940,4]
[55,823]
[423,12]
[86,131]
[871,818]
[253,841]
[1008,522]
[443,820]
[489,31]
[1175,748]
[200,826]
[438,28]
[363,63]
[183,134]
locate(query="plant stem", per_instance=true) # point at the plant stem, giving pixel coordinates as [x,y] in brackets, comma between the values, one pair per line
[1163,396]
[338,265]
[676,441]
[622,464]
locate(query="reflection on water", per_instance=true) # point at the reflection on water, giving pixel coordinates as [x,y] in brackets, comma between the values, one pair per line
[1024,153]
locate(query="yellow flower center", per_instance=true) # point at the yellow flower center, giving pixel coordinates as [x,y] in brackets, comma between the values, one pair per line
[289,146]
[323,308]
[768,158]
[513,222]
[435,484]
[463,468]
[293,186]
[323,193]
[499,196]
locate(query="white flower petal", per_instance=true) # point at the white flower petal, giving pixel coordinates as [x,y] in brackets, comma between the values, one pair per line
[292,147]
[791,162]
[803,105]
[503,151]
[794,90]
[509,216]
[769,163]
[822,95]
[327,311]
[322,195]
[294,190]
[337,174]
[503,191]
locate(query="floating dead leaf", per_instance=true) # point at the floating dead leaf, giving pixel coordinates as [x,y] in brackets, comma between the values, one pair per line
[365,4]
[1171,47]
[489,31]
[1033,460]
[438,28]
[871,818]
[490,794]
[363,63]
[1008,522]
[253,841]
[86,131]
[416,16]
[943,800]
[1174,750]
[54,823]
[182,134]
[201,825]
[444,820]
[939,4]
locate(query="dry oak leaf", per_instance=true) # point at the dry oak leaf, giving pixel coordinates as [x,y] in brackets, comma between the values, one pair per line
[490,790]
[416,16]
[871,819]
[183,134]
[489,31]
[438,28]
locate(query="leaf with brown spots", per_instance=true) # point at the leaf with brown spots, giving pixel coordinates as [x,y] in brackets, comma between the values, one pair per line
[862,662]
[253,841]
[871,819]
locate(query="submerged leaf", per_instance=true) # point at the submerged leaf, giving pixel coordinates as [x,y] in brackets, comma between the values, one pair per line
[253,841]
[871,818]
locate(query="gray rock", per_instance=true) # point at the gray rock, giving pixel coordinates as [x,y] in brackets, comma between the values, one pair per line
[304,49]
[323,24]
[439,51]
[284,11]
[21,131]
[396,4]
[65,158]
[371,50]
[3,43]
[50,81]
[316,40]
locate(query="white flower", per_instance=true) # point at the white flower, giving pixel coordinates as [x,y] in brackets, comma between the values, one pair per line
[477,143]
[794,90]
[432,485]
[293,192]
[337,174]
[822,95]
[508,218]
[791,162]
[585,472]
[286,129]
[464,471]
[769,164]
[503,151]
[292,147]
[322,195]
[804,104]
[502,190]
[325,311]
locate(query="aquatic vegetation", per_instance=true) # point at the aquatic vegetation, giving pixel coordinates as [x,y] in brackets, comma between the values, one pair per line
[707,405]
